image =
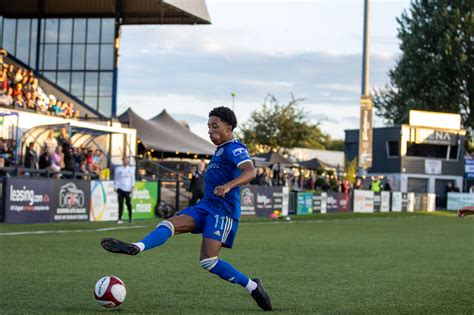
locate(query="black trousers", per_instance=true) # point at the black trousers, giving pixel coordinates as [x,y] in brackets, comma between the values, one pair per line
[196,197]
[121,195]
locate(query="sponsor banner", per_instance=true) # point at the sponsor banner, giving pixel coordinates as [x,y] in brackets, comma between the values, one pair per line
[144,199]
[344,202]
[404,202]
[363,201]
[385,201]
[27,200]
[304,203]
[317,199]
[248,200]
[286,200]
[292,203]
[469,169]
[331,202]
[410,202]
[70,201]
[265,201]
[458,200]
[377,201]
[324,204]
[396,202]
[103,203]
[2,209]
[418,202]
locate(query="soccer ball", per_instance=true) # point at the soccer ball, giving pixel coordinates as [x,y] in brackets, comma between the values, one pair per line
[110,291]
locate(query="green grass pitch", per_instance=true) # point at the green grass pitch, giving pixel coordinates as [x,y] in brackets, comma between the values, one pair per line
[327,264]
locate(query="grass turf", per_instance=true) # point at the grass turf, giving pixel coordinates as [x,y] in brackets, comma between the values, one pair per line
[334,263]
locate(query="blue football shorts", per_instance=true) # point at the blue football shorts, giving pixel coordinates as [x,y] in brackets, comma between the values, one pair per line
[213,225]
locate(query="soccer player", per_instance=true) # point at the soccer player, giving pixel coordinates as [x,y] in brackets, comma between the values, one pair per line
[465,211]
[216,216]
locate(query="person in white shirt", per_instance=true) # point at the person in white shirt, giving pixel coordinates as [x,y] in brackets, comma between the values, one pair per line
[124,182]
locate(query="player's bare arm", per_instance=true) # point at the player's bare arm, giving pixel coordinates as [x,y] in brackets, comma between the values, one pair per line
[465,211]
[248,174]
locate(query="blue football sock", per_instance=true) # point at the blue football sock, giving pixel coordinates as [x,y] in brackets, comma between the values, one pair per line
[159,236]
[224,270]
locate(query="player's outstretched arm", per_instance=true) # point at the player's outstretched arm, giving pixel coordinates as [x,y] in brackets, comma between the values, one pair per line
[248,174]
[465,211]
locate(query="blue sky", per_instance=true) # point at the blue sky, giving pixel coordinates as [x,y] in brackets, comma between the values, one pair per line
[312,49]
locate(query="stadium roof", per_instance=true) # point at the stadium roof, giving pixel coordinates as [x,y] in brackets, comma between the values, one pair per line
[130,11]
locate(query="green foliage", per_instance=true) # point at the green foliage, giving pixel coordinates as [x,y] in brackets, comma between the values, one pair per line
[277,126]
[435,70]
[350,169]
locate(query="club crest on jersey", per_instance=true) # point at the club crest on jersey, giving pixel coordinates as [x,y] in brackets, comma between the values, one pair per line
[238,151]
[220,151]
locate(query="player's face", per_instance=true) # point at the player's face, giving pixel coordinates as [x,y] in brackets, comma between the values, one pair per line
[219,131]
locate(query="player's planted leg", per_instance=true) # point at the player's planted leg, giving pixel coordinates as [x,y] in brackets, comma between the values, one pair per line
[229,273]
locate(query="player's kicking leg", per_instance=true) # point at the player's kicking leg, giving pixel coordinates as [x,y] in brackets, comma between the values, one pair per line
[164,230]
[210,261]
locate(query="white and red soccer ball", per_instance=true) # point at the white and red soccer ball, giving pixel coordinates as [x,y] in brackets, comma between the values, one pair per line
[110,291]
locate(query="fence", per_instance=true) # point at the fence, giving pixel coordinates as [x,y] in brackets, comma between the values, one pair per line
[35,200]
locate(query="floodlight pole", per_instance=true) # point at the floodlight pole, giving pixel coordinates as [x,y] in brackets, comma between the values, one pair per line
[365,131]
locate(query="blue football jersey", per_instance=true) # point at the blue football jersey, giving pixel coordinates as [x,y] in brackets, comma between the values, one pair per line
[224,167]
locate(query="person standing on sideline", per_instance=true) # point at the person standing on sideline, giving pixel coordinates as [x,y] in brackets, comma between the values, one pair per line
[217,215]
[197,183]
[124,182]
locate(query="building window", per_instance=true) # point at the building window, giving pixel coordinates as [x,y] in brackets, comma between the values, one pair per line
[453,152]
[424,150]
[393,148]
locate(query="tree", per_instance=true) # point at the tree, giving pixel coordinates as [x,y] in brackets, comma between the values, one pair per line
[435,70]
[276,126]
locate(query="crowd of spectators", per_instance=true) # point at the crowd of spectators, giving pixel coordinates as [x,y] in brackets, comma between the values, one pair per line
[19,89]
[318,180]
[58,154]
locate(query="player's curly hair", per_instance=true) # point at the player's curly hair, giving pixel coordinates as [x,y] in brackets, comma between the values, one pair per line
[225,114]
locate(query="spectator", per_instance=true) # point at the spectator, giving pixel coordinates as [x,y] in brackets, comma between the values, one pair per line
[3,82]
[19,102]
[18,77]
[63,137]
[18,90]
[471,189]
[7,99]
[376,185]
[358,184]
[78,158]
[344,186]
[197,183]
[57,162]
[31,158]
[450,187]
[30,102]
[388,185]
[11,74]
[45,159]
[69,158]
[51,142]
[97,161]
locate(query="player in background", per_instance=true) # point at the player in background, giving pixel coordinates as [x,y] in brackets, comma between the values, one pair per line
[216,216]
[465,211]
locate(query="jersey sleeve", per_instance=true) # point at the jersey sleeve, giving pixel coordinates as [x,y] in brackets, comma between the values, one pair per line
[239,154]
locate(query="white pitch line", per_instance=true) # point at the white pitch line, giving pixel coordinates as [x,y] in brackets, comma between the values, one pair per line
[72,231]
[242,223]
